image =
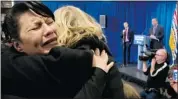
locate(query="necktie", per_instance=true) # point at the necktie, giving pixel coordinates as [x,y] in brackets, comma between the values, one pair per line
[126,37]
[154,30]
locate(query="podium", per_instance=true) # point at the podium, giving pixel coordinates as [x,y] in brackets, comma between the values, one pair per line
[141,41]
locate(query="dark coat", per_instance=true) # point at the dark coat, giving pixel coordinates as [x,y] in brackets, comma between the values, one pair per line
[130,36]
[159,33]
[63,73]
[114,85]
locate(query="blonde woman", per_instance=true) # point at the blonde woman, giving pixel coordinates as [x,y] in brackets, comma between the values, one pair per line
[130,92]
[78,30]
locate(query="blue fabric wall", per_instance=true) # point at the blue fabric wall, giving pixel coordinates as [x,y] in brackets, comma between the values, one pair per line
[137,13]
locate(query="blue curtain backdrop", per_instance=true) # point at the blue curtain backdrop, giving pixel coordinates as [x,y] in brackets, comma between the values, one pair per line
[137,13]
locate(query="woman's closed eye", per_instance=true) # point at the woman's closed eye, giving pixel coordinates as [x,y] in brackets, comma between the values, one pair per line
[37,26]
[49,22]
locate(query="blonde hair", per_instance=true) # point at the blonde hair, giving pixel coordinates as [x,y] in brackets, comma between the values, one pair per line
[75,24]
[130,92]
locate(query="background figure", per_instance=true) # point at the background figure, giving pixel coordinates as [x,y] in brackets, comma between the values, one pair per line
[156,34]
[173,82]
[171,88]
[157,74]
[127,40]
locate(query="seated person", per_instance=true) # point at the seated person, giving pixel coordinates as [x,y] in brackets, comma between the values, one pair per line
[35,68]
[156,73]
[77,29]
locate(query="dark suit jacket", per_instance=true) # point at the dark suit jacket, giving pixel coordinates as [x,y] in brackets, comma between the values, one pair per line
[114,85]
[60,74]
[63,73]
[130,36]
[159,33]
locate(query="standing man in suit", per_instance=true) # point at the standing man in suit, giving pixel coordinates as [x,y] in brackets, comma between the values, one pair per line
[127,40]
[156,34]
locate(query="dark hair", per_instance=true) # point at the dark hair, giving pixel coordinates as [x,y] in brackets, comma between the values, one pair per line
[11,26]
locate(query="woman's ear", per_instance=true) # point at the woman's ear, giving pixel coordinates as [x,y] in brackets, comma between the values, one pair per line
[18,46]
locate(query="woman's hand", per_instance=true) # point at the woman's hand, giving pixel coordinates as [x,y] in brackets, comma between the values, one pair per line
[100,60]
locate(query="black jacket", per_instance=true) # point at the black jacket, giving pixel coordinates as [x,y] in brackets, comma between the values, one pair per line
[158,77]
[114,85]
[64,73]
[130,36]
[159,33]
